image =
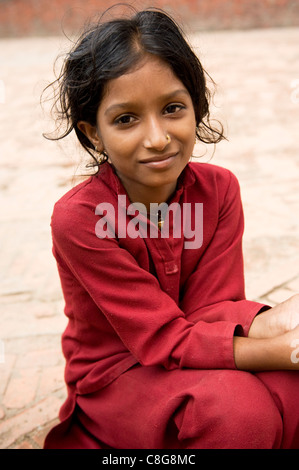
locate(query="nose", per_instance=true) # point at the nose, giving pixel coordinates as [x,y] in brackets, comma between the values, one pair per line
[156,136]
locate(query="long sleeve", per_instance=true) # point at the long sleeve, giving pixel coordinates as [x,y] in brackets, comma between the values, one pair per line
[215,289]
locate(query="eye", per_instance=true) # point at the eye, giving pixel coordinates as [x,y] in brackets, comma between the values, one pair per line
[123,120]
[174,108]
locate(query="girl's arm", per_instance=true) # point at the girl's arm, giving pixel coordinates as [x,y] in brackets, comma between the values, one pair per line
[146,319]
[272,339]
[215,290]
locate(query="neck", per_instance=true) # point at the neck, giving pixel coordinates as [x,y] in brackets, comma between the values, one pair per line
[151,195]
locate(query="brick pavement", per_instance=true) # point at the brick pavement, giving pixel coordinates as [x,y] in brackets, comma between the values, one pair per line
[258,98]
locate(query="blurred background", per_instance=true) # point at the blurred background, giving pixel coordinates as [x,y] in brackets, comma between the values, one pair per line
[40,17]
[250,48]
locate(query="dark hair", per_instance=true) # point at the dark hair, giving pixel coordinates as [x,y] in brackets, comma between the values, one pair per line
[110,49]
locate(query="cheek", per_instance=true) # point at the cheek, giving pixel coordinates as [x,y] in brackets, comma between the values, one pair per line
[187,133]
[187,128]
[127,146]
[121,150]
[118,145]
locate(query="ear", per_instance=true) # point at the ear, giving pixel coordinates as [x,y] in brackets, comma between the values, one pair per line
[91,133]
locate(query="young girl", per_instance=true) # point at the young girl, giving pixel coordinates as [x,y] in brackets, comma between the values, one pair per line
[162,349]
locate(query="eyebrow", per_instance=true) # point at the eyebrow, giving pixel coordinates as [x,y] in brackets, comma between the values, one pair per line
[129,104]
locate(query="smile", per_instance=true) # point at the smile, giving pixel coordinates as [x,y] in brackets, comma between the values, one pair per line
[159,162]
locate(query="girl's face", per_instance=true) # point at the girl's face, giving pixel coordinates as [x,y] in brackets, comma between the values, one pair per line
[146,124]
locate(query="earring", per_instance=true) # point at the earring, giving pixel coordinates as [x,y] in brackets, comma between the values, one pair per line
[103,155]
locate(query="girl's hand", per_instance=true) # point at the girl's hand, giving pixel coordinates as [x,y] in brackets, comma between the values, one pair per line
[277,320]
[262,354]
[293,339]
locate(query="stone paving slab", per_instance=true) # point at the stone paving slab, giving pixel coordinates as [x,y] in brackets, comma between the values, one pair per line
[257,98]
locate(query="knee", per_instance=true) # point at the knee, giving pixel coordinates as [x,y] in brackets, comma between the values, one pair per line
[250,416]
[235,412]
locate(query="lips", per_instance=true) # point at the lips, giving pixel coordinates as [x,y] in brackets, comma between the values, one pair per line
[159,160]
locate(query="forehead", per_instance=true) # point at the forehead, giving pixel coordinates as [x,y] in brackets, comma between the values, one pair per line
[150,80]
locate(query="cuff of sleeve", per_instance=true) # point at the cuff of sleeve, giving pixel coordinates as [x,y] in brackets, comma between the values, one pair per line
[214,346]
[255,309]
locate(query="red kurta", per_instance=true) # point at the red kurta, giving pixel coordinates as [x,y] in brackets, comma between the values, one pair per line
[154,313]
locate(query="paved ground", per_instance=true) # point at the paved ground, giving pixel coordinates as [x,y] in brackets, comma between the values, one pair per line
[258,98]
